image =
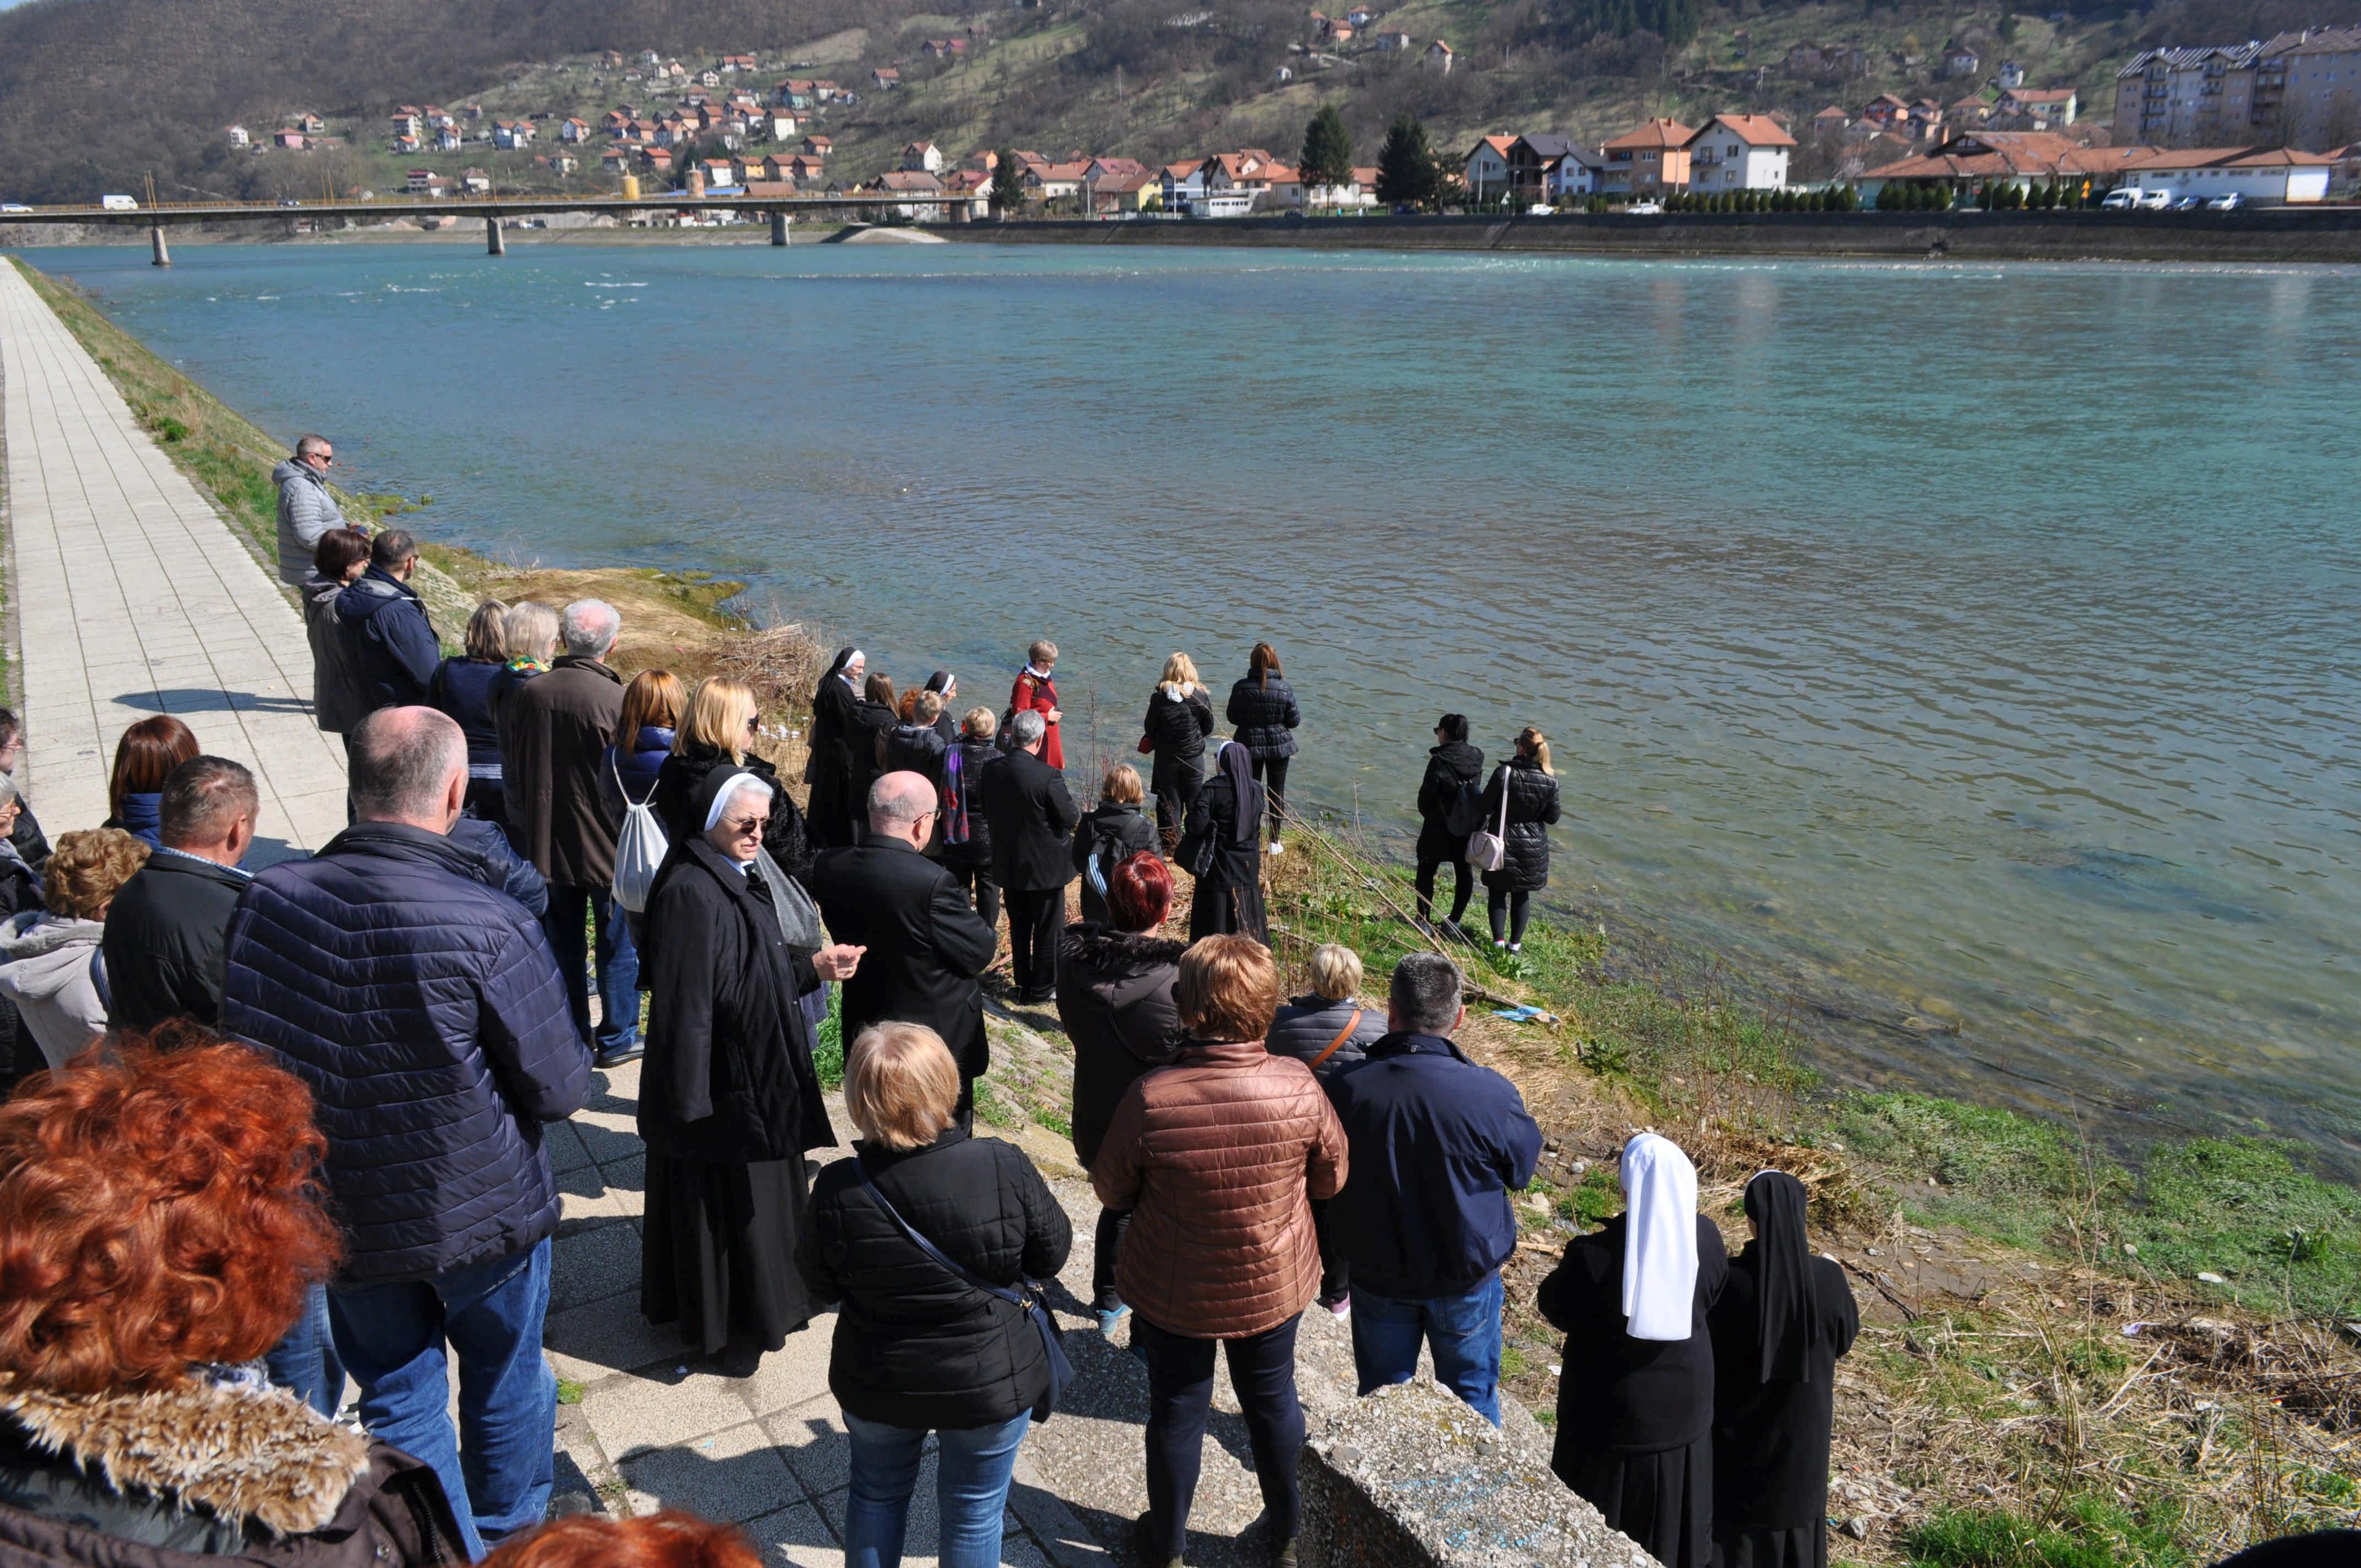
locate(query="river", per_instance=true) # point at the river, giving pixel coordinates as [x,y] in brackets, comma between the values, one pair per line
[1963,653]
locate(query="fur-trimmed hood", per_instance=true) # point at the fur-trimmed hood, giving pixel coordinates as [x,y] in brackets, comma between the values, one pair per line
[246,1455]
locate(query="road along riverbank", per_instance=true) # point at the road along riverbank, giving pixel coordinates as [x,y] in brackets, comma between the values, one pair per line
[2002,1259]
[2258,236]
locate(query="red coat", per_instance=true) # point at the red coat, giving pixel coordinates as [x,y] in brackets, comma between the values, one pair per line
[1040,694]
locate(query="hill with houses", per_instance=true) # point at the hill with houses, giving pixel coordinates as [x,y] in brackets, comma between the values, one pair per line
[277,98]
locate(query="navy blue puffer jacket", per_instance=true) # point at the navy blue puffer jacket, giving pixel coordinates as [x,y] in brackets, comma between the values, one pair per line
[426,1012]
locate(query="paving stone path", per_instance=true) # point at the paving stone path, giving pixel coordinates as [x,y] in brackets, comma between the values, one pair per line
[133,597]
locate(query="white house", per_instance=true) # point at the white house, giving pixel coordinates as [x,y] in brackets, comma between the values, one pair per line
[1580,172]
[2267,176]
[1357,195]
[923,155]
[1184,185]
[1738,152]
[239,136]
[450,139]
[1486,169]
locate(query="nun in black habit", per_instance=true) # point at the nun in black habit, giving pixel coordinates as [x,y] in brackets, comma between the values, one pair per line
[1222,850]
[1782,1323]
[1635,1396]
[829,770]
[729,1100]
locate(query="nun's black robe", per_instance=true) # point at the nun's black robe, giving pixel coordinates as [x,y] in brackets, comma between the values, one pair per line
[1635,1417]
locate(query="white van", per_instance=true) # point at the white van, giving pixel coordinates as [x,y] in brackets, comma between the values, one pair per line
[118,203]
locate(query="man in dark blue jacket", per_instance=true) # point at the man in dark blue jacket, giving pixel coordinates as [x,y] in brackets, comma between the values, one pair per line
[425,1012]
[1438,1143]
[388,639]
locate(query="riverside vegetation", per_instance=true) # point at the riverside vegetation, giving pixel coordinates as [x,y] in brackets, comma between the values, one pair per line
[2069,1359]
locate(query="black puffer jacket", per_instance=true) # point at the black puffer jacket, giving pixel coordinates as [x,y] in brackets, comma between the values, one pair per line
[1115,997]
[1308,1023]
[1176,729]
[1119,832]
[1532,806]
[1447,767]
[1266,717]
[915,1345]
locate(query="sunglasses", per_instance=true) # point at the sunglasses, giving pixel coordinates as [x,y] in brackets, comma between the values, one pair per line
[748,825]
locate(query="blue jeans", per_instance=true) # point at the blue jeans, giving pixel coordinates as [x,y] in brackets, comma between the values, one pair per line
[499,1467]
[304,1362]
[972,1471]
[571,909]
[1464,1329]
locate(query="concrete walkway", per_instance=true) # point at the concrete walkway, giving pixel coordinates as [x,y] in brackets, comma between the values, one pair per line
[133,597]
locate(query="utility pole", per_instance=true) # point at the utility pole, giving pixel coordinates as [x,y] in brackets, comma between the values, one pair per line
[160,255]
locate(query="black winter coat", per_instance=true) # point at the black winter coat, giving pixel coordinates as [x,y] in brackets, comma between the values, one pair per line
[683,775]
[1266,717]
[1177,730]
[1532,806]
[912,748]
[167,941]
[1032,814]
[926,945]
[1115,997]
[915,1345]
[1116,833]
[729,1072]
[433,1095]
[964,800]
[1447,767]
[388,643]
[1228,898]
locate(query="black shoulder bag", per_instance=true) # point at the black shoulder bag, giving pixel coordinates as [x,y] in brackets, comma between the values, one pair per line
[1028,1301]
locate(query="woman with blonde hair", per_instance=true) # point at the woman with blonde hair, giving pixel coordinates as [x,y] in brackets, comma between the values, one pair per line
[1109,834]
[925,1236]
[1179,717]
[965,835]
[461,687]
[1530,788]
[718,728]
[47,956]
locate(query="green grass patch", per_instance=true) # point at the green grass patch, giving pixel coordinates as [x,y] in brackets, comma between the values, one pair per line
[2088,1532]
[569,1392]
[828,1047]
[2241,1208]
[2010,1177]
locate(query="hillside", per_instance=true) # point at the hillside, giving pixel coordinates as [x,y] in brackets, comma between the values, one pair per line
[95,95]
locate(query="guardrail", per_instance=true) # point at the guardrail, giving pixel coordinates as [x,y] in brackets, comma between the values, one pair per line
[476,206]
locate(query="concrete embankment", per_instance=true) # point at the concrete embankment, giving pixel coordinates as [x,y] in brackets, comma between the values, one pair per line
[2259,235]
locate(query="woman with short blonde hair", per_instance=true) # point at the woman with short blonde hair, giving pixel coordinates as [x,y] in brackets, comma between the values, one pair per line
[1215,1157]
[529,633]
[1328,1029]
[1527,787]
[923,1342]
[45,954]
[464,686]
[1109,834]
[1179,717]
[721,713]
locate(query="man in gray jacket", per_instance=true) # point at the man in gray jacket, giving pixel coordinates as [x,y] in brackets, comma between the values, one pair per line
[306,510]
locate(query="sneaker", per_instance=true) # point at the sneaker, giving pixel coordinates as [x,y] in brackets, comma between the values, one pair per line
[1277,848]
[1109,1317]
[616,1058]
[1286,1557]
[1144,1548]
[1342,1306]
[1498,946]
[1516,946]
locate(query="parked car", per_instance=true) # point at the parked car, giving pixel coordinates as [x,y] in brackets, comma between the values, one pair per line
[2188,204]
[14,207]
[2156,201]
[1539,210]
[2228,203]
[2122,200]
[1645,209]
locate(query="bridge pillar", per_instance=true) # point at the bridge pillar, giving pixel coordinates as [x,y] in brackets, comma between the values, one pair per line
[495,243]
[779,222]
[163,256]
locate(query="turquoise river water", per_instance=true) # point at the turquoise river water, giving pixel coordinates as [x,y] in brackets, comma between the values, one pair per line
[1965,655]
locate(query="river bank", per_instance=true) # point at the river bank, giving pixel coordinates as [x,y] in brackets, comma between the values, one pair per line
[2006,1258]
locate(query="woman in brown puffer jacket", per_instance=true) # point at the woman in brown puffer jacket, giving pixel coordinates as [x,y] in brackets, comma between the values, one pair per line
[1218,1157]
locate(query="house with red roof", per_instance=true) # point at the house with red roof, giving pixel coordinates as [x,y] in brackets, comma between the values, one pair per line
[1486,169]
[1648,159]
[1738,152]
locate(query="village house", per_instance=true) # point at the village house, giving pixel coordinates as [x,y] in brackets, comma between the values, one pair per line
[311,125]
[511,135]
[2011,74]
[407,122]
[1485,169]
[1394,42]
[1648,159]
[1182,185]
[450,139]
[1966,160]
[1975,109]
[914,183]
[924,155]
[1829,121]
[720,173]
[574,129]
[1361,15]
[1738,152]
[733,63]
[1960,61]
[818,146]
[1357,194]
[427,182]
[239,136]
[2265,176]
[474,182]
[660,160]
[1336,30]
[803,168]
[1236,183]
[1886,111]
[885,78]
[614,159]
[1438,55]
[708,78]
[2038,108]
[1047,182]
[1546,166]
[295,140]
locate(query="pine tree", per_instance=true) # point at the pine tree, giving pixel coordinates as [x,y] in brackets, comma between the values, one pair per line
[1327,151]
[1007,184]
[1407,175]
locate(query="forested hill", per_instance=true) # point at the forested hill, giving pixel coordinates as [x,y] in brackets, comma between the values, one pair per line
[95,95]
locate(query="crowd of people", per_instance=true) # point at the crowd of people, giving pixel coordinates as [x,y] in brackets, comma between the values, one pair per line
[279,1130]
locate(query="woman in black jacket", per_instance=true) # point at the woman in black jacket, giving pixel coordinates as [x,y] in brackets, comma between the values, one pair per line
[1533,805]
[1222,850]
[966,834]
[920,1347]
[1783,1322]
[729,1101]
[1450,765]
[1109,834]
[1179,717]
[1115,997]
[715,729]
[1263,708]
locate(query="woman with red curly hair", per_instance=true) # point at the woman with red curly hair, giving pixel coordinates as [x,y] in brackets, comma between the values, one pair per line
[668,1540]
[161,1228]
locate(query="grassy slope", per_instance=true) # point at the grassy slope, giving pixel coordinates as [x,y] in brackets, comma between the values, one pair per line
[2009,1423]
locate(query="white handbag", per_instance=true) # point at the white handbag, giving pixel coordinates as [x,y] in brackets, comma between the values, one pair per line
[1487,849]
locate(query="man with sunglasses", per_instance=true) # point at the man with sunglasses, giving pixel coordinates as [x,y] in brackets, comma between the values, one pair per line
[926,945]
[306,507]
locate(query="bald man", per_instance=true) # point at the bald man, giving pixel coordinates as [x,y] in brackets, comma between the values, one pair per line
[925,942]
[425,1011]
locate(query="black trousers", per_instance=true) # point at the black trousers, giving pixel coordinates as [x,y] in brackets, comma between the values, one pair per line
[982,890]
[1336,1276]
[1114,1225]
[1463,873]
[1517,908]
[1177,786]
[1271,773]
[1179,1393]
[1035,916]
